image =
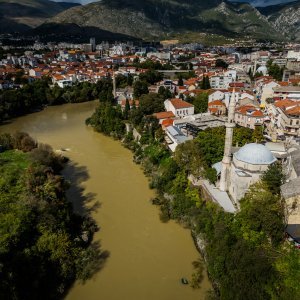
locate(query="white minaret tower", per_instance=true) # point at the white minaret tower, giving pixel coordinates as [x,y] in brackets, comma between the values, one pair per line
[230,124]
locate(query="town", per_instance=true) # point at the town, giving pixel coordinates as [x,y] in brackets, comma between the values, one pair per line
[187,89]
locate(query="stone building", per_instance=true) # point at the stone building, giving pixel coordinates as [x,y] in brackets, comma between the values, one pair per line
[247,166]
[244,167]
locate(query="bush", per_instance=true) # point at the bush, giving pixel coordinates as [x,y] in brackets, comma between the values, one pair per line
[22,141]
[6,141]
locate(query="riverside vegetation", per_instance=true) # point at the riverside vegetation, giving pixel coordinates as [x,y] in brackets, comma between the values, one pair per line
[34,96]
[246,254]
[44,245]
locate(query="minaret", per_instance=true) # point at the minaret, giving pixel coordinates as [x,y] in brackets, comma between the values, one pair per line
[230,124]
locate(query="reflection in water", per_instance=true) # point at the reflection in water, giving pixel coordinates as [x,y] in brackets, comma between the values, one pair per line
[147,258]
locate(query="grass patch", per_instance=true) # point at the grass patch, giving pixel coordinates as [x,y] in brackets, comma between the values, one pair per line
[14,159]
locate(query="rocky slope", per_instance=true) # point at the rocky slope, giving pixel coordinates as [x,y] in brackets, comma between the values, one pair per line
[154,19]
[285,18]
[20,15]
[263,3]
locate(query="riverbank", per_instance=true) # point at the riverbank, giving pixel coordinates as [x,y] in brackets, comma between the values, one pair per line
[147,258]
[35,96]
[44,245]
[245,251]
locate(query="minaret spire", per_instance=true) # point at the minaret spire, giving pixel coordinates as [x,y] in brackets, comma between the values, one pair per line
[230,124]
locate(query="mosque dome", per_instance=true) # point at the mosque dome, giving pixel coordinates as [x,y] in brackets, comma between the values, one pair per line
[255,154]
[262,69]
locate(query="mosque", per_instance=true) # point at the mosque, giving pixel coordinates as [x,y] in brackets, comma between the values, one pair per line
[241,169]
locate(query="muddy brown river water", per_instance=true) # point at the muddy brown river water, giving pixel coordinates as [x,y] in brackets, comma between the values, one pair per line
[147,258]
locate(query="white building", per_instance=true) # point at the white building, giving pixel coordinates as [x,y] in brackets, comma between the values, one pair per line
[287,92]
[293,55]
[175,137]
[220,81]
[179,107]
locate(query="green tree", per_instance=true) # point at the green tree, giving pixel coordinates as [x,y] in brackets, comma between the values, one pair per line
[151,76]
[151,103]
[274,70]
[262,216]
[165,92]
[180,80]
[274,178]
[126,110]
[220,63]
[201,103]
[242,136]
[257,135]
[140,88]
[205,84]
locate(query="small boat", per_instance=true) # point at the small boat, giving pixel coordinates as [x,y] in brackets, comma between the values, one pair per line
[184,281]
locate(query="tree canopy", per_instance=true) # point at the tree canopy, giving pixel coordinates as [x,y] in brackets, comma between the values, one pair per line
[44,245]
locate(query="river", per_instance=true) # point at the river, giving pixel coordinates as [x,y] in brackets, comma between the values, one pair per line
[147,258]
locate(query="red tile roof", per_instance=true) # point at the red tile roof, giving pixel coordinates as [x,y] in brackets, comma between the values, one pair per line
[216,102]
[178,104]
[167,122]
[164,115]
[294,111]
[250,111]
[284,103]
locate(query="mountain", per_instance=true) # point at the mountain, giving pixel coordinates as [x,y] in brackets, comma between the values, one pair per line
[20,15]
[263,3]
[285,18]
[155,19]
[71,32]
[76,1]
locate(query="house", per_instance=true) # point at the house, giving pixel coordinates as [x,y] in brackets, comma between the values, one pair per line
[175,137]
[284,118]
[165,115]
[217,107]
[36,72]
[248,116]
[166,123]
[217,95]
[179,107]
[64,83]
[290,92]
[220,81]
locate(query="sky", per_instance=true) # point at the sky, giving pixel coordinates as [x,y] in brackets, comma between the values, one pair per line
[254,2]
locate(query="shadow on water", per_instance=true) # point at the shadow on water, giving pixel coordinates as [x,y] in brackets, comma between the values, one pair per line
[84,204]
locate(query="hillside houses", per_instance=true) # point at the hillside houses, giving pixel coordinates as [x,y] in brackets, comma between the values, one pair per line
[284,118]
[249,116]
